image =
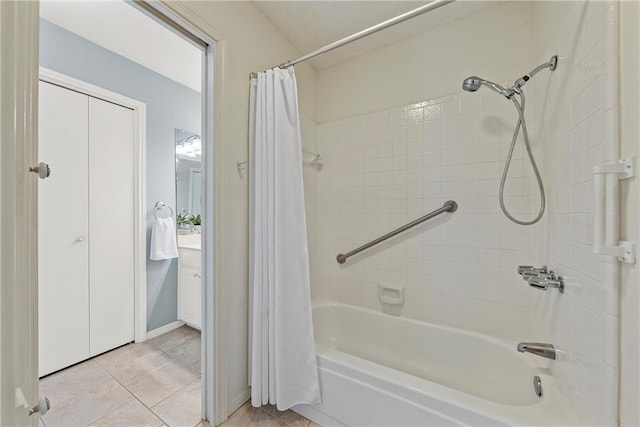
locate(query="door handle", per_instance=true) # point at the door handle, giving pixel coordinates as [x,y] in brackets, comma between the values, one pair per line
[43,170]
[80,239]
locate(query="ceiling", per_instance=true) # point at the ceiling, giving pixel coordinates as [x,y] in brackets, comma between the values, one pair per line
[309,25]
[120,28]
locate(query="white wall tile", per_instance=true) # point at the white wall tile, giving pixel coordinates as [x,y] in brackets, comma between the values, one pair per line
[427,155]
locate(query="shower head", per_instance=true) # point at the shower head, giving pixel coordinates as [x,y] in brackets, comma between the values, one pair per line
[473,83]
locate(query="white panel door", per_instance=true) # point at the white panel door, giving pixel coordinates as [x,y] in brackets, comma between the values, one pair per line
[63,254]
[111,193]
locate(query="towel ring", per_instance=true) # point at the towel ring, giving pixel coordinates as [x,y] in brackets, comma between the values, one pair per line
[159,206]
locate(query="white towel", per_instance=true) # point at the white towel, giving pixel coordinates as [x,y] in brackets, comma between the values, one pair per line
[163,240]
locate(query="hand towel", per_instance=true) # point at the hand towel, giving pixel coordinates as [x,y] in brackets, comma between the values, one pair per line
[163,240]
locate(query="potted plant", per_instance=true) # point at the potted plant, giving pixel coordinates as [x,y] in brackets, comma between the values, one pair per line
[196,221]
[182,220]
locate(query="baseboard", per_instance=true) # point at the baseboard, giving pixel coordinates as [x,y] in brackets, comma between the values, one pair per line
[239,401]
[164,329]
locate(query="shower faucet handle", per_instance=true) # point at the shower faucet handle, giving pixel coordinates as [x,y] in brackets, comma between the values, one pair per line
[531,270]
[538,274]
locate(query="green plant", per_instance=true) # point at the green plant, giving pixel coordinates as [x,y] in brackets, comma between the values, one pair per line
[195,219]
[182,219]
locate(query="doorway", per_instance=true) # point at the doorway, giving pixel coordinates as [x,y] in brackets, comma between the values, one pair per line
[159,375]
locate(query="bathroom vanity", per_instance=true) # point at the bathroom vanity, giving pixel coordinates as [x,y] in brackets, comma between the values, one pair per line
[189,280]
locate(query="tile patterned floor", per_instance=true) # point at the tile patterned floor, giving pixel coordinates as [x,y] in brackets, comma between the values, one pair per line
[156,383]
[266,416]
[151,384]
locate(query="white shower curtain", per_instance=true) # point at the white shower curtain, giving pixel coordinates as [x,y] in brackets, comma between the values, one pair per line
[283,360]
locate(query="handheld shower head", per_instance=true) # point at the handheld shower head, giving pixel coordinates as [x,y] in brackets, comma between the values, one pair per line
[473,83]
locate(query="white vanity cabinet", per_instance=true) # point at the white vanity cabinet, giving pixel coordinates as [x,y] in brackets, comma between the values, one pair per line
[190,287]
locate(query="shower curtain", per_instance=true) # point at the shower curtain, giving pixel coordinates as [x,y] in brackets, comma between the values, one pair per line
[283,359]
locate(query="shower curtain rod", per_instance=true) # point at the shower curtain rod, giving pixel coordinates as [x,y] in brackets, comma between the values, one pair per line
[366,32]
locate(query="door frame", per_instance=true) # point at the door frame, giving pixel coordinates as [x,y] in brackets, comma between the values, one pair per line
[19,33]
[215,405]
[19,76]
[139,188]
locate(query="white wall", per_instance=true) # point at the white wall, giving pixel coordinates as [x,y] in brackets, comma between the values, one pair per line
[630,140]
[384,169]
[252,44]
[574,112]
[493,43]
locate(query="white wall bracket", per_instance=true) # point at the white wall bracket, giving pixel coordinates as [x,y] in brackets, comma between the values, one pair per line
[624,169]
[625,251]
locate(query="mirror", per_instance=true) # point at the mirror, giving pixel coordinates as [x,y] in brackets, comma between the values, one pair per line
[188,175]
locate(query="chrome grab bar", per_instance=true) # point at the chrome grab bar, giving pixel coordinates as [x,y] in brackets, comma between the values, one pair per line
[449,206]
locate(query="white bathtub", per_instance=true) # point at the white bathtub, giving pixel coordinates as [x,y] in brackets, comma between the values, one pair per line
[380,370]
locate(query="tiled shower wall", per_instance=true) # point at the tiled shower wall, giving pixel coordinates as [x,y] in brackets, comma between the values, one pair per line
[575,120]
[382,170]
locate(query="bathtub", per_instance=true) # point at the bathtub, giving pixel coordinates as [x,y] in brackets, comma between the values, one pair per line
[380,370]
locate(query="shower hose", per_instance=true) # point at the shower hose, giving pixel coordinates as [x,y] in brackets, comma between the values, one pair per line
[521,122]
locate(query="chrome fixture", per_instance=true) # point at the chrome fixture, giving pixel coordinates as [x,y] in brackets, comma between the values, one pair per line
[539,349]
[474,83]
[537,386]
[529,269]
[541,278]
[366,32]
[547,281]
[159,206]
[449,206]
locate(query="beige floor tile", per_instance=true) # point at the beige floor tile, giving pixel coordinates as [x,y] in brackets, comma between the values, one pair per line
[290,418]
[182,408]
[89,406]
[174,338]
[93,392]
[248,416]
[187,352]
[131,363]
[312,424]
[162,382]
[133,413]
[72,382]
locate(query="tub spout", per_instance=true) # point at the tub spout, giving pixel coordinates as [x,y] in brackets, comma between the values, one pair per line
[539,349]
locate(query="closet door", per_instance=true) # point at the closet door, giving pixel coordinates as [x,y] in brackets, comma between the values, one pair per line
[111,196]
[63,253]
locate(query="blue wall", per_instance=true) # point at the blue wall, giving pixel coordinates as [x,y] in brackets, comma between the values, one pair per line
[169,105]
